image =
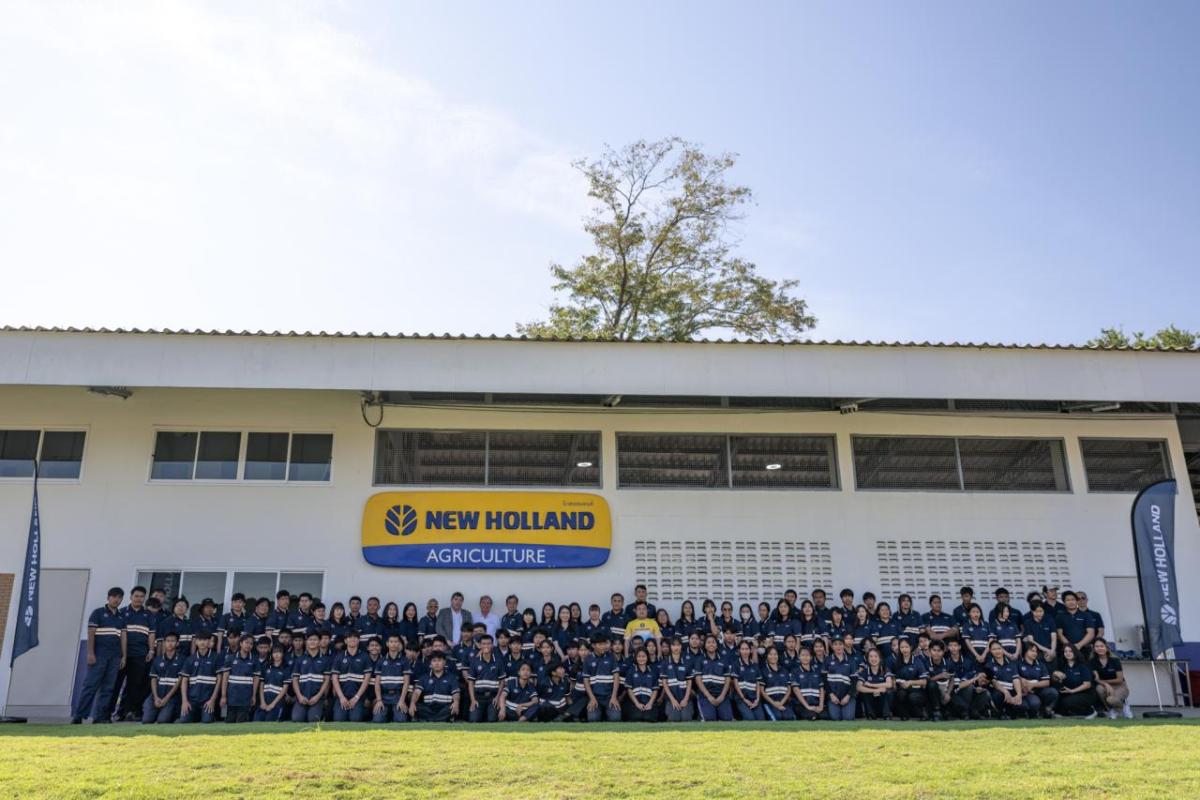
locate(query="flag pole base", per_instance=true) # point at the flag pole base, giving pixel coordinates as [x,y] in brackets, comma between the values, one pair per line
[7,720]
[1161,715]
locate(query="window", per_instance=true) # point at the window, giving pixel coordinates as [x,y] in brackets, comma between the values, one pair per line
[487,458]
[1124,465]
[59,454]
[944,463]
[216,456]
[719,461]
[196,585]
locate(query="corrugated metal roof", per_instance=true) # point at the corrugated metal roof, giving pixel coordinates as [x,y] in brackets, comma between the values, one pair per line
[522,338]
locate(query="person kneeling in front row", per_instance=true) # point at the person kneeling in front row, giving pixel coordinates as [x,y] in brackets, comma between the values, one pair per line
[162,704]
[519,698]
[435,694]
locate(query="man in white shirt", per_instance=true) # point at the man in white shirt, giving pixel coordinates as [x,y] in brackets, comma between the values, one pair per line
[485,615]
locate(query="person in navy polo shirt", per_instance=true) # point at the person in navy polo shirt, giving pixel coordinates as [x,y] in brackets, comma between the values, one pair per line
[519,697]
[962,612]
[232,624]
[938,624]
[310,681]
[201,682]
[1008,698]
[1035,683]
[711,672]
[299,619]
[613,622]
[747,680]
[601,682]
[641,689]
[1075,625]
[1094,618]
[675,675]
[435,694]
[876,687]
[275,679]
[139,653]
[351,675]
[1076,696]
[106,645]
[239,680]
[910,621]
[1040,632]
[179,624]
[555,694]
[485,674]
[911,676]
[939,681]
[392,676]
[808,687]
[970,699]
[777,688]
[277,620]
[162,703]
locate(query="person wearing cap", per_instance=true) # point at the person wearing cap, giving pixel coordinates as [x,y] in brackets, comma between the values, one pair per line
[239,681]
[310,681]
[435,694]
[162,703]
[106,650]
[351,676]
[207,622]
[601,684]
[277,620]
[392,676]
[519,697]
[711,673]
[201,683]
[133,682]
[275,679]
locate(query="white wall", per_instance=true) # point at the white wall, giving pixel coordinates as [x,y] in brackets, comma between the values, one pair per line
[115,521]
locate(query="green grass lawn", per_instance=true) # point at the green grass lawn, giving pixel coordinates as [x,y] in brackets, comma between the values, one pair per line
[863,761]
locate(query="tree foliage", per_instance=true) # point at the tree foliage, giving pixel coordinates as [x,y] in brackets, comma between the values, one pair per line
[1168,337]
[663,263]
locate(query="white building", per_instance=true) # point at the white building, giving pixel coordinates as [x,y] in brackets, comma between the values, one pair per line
[215,463]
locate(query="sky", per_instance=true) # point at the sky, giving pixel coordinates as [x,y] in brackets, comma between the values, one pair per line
[1016,172]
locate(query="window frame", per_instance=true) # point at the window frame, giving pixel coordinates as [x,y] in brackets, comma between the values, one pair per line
[229,573]
[835,467]
[1163,443]
[487,485]
[42,430]
[244,434]
[1069,490]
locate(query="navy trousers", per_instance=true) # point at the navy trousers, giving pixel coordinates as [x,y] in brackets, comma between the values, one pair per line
[98,685]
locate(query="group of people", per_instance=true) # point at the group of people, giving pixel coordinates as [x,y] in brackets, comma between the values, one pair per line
[295,659]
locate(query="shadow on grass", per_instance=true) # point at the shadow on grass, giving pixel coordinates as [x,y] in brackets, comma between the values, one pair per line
[732,728]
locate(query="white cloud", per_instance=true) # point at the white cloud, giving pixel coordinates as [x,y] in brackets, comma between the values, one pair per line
[151,146]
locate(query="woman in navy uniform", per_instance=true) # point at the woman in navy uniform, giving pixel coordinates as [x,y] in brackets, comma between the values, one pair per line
[1110,681]
[351,676]
[239,681]
[747,685]
[390,622]
[555,695]
[273,686]
[861,626]
[339,625]
[179,624]
[884,630]
[910,621]
[687,622]
[563,631]
[435,695]
[201,686]
[748,624]
[783,623]
[310,681]
[675,675]
[641,689]
[1007,697]
[712,684]
[841,676]
[410,627]
[809,625]
[1035,682]
[911,675]
[977,635]
[1007,632]
[727,620]
[1040,632]
[519,697]
[665,626]
[876,687]
[835,626]
[808,688]
[776,688]
[162,704]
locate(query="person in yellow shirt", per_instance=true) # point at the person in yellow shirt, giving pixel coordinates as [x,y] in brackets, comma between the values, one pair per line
[641,626]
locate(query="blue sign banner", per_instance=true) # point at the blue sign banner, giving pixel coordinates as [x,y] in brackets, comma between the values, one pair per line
[26,636]
[1153,519]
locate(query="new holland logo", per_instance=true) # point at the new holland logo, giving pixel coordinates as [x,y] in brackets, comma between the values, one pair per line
[1168,614]
[28,616]
[400,520]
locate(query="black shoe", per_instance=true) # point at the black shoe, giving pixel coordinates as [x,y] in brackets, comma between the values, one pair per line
[102,722]
[937,716]
[76,721]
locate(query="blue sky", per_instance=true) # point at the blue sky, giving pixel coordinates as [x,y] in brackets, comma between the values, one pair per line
[941,171]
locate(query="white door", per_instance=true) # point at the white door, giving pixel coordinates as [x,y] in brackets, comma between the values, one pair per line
[1126,625]
[42,679]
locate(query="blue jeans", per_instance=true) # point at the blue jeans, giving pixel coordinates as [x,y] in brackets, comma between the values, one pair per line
[98,686]
[197,714]
[711,713]
[274,715]
[748,714]
[352,714]
[839,713]
[302,713]
[167,713]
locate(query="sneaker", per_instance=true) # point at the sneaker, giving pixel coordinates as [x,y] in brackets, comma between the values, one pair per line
[1112,713]
[1092,715]
[1127,712]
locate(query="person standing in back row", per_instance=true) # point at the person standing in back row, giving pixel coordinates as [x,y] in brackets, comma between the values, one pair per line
[105,657]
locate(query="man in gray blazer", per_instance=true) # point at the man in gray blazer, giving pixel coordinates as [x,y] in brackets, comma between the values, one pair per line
[450,620]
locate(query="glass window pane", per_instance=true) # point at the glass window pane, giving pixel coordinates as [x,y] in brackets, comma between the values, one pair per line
[429,458]
[266,456]
[174,455]
[62,454]
[297,582]
[18,449]
[200,585]
[255,585]
[312,454]
[167,581]
[218,457]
